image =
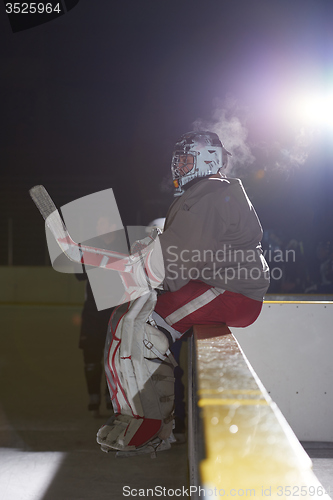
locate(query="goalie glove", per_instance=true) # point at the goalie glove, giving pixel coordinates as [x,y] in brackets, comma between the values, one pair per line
[141,245]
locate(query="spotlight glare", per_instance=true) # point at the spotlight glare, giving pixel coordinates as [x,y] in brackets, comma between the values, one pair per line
[314,110]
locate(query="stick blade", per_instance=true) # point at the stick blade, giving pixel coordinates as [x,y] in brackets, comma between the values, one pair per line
[42,200]
[49,211]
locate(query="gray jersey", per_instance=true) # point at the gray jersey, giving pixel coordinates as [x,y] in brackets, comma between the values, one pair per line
[213,234]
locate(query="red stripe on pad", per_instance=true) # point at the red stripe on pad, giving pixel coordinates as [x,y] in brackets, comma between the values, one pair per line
[147,431]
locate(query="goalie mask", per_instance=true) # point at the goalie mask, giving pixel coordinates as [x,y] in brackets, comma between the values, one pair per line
[197,154]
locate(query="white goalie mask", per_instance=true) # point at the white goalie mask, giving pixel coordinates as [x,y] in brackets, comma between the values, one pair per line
[197,154]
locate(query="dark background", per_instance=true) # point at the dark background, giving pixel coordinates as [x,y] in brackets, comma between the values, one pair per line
[97,98]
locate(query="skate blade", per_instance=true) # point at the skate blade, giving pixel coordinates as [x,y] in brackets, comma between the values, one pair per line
[152,447]
[106,449]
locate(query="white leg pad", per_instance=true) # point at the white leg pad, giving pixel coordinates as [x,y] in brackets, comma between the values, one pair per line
[142,382]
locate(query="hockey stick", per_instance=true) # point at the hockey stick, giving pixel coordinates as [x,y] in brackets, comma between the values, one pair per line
[91,256]
[83,254]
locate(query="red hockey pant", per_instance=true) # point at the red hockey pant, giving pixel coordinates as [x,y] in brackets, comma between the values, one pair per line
[197,303]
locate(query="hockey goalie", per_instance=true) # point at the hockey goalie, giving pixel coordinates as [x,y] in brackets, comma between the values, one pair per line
[214,272]
[206,267]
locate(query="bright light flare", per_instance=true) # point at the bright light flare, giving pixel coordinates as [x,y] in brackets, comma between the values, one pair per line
[314,110]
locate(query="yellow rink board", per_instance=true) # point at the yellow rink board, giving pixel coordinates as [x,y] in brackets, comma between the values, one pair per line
[251,450]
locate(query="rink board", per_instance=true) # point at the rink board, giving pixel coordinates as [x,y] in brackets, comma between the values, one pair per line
[249,448]
[290,347]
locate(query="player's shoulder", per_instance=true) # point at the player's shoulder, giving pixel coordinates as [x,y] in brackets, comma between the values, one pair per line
[215,185]
[207,191]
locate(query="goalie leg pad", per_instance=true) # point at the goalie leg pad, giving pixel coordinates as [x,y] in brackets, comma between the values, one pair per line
[142,381]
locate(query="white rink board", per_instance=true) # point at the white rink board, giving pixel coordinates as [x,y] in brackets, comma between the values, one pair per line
[290,347]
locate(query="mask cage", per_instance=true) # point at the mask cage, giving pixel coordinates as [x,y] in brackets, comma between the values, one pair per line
[186,168]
